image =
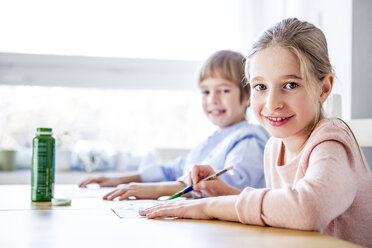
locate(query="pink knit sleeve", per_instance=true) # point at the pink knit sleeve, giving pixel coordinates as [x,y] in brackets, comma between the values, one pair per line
[249,205]
[325,192]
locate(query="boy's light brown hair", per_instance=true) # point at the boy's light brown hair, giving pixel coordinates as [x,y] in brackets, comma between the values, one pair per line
[228,65]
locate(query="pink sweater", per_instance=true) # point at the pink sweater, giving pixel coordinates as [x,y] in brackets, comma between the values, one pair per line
[327,187]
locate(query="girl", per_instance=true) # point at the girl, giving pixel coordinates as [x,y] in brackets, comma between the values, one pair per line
[317,177]
[225,101]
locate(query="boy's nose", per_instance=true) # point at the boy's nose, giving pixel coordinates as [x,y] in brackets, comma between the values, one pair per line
[213,97]
[274,100]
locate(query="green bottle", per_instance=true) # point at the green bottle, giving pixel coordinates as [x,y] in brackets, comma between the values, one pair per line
[42,171]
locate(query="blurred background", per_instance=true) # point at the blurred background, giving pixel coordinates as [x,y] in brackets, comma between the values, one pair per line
[118,79]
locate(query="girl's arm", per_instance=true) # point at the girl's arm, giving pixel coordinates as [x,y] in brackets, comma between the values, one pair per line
[222,207]
[325,192]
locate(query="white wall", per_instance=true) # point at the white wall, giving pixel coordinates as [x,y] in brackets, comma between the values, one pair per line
[362,59]
[361,89]
[79,71]
[336,23]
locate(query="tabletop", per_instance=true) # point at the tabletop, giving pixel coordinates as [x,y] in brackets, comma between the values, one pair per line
[91,222]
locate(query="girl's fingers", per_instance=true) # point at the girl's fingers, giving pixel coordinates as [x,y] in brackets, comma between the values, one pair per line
[158,211]
[154,208]
[192,209]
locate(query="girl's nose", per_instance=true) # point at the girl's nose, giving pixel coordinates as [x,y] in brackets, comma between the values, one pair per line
[274,100]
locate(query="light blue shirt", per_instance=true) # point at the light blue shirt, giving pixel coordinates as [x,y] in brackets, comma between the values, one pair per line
[241,145]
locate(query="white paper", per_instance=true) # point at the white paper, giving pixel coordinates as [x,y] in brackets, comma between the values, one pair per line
[130,208]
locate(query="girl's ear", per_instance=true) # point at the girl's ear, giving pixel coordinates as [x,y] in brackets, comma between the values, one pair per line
[326,87]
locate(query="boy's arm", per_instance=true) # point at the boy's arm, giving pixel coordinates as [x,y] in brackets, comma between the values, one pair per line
[247,158]
[112,181]
[162,172]
[145,190]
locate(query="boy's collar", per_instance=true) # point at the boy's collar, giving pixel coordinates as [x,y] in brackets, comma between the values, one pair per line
[236,125]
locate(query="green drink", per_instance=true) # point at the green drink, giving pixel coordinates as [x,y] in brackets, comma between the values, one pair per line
[42,171]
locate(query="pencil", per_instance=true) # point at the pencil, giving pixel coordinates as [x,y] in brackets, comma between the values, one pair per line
[190,188]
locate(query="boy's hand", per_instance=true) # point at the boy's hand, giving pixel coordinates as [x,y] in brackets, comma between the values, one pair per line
[138,190]
[101,181]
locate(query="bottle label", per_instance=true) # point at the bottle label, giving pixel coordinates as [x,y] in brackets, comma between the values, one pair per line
[42,176]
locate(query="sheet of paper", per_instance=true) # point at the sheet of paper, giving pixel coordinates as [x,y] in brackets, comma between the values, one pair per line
[130,208]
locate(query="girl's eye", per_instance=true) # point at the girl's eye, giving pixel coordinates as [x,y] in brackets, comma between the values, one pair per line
[225,91]
[291,85]
[205,92]
[260,87]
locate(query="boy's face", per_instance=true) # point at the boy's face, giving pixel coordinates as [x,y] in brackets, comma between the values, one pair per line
[221,102]
[281,101]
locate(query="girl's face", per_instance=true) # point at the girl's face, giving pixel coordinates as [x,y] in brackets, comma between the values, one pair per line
[280,100]
[221,102]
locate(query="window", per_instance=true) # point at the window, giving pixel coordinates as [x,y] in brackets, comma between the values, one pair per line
[135,121]
[136,61]
[162,29]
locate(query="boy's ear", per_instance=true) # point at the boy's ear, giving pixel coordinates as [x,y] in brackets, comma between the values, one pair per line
[247,100]
[326,87]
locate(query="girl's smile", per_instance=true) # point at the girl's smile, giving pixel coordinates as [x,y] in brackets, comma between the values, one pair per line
[277,121]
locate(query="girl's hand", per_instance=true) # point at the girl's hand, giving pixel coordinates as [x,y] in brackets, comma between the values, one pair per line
[102,182]
[215,187]
[222,207]
[138,190]
[187,209]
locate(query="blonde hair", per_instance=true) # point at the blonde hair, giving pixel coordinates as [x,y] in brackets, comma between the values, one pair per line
[228,65]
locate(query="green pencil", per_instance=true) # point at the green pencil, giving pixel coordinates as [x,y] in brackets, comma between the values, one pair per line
[190,188]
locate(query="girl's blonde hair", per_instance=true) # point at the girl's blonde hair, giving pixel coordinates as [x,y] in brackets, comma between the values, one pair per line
[228,65]
[304,40]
